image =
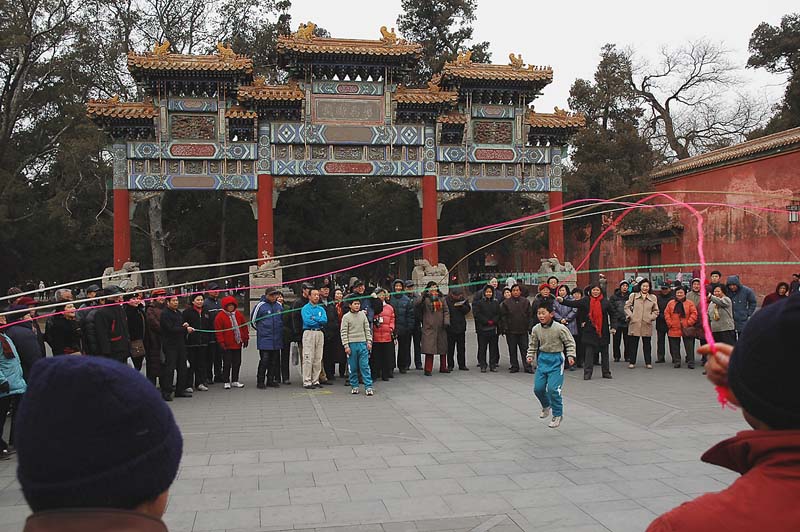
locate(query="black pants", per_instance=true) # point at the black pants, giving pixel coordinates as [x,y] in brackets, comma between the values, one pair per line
[9,403]
[231,362]
[517,342]
[621,343]
[381,360]
[456,343]
[661,344]
[329,356]
[590,352]
[675,349]
[633,348]
[725,337]
[269,366]
[174,361]
[138,362]
[286,353]
[215,362]
[197,355]
[488,340]
[417,337]
[578,350]
[404,351]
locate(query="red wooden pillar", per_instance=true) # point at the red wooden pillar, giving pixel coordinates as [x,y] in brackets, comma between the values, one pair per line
[122,228]
[430,223]
[555,232]
[264,224]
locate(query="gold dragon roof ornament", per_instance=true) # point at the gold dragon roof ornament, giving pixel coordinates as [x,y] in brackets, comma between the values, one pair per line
[464,58]
[161,49]
[225,53]
[305,32]
[433,84]
[516,61]
[390,37]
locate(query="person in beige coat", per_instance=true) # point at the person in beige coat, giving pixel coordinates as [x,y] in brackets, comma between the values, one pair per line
[641,310]
[432,310]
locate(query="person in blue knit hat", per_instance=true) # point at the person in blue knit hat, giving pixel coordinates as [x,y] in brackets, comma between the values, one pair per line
[97,447]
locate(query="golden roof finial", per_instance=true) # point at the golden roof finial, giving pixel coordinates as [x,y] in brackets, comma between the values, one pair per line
[516,61]
[259,81]
[388,37]
[113,100]
[161,49]
[225,52]
[560,112]
[433,84]
[464,58]
[305,32]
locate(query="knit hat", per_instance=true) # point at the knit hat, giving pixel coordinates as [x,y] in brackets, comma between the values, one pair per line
[410,284]
[25,301]
[624,282]
[764,364]
[93,288]
[92,432]
[543,286]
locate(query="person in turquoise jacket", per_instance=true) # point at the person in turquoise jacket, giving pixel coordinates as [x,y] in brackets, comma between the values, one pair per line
[12,386]
[314,319]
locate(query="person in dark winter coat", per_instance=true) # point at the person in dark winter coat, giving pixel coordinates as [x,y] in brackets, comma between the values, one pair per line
[620,323]
[416,335]
[662,299]
[486,312]
[435,315]
[111,322]
[197,317]
[63,332]
[760,376]
[297,318]
[516,321]
[565,315]
[456,334]
[744,302]
[137,328]
[267,320]
[88,327]
[404,324]
[152,344]
[330,349]
[781,291]
[173,342]
[214,351]
[286,350]
[545,298]
[596,331]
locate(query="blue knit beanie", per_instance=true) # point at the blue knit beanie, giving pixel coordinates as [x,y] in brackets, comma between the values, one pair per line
[764,364]
[92,432]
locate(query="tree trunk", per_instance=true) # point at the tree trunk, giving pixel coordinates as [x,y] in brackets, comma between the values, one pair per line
[594,260]
[223,254]
[157,238]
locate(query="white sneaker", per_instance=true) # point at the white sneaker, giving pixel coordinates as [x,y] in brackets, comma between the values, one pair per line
[544,413]
[354,391]
[369,392]
[237,384]
[202,388]
[555,422]
[188,390]
[227,386]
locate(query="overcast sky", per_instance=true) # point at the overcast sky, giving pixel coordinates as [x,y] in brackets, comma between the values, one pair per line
[567,35]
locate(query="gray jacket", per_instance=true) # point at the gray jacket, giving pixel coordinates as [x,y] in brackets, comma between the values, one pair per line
[724,309]
[554,338]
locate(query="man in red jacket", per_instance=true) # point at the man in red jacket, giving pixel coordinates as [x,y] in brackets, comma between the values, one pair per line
[759,376]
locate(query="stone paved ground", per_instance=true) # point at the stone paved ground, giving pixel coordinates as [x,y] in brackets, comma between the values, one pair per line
[464,451]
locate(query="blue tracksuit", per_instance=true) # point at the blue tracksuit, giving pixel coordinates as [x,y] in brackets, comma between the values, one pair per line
[359,360]
[548,381]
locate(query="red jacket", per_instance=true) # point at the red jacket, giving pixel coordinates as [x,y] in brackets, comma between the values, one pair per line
[763,498]
[224,327]
[383,333]
[675,322]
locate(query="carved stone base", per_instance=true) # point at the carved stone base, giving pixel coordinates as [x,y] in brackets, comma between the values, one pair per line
[266,275]
[423,273]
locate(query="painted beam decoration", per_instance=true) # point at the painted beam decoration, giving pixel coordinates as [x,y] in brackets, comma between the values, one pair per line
[192,182]
[492,111]
[492,184]
[192,150]
[533,155]
[350,88]
[298,133]
[322,167]
[264,155]
[198,105]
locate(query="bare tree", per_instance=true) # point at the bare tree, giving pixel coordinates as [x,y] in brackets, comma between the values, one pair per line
[693,99]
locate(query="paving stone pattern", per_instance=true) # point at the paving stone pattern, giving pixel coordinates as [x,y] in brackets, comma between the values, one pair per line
[458,452]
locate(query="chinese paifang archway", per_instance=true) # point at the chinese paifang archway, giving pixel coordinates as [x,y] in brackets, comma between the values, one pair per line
[206,123]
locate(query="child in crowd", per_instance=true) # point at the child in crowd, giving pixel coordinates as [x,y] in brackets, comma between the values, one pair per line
[550,342]
[357,342]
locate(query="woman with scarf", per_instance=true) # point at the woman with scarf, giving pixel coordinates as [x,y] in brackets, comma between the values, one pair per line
[12,386]
[435,316]
[63,332]
[232,335]
[595,332]
[681,316]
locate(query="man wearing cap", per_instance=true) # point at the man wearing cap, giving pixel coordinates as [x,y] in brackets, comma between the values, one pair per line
[91,293]
[760,376]
[329,350]
[662,298]
[213,307]
[152,316]
[173,342]
[456,333]
[267,320]
[297,318]
[107,465]
[111,323]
